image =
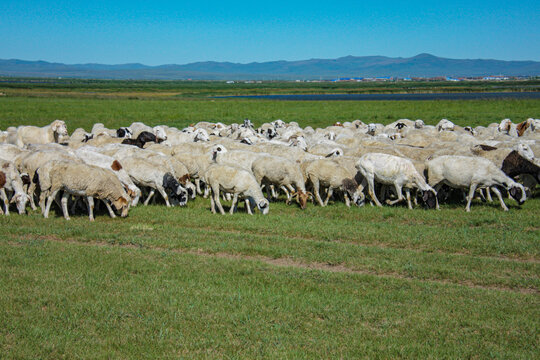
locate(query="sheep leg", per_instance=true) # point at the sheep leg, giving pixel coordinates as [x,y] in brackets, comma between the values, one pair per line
[248,207]
[49,203]
[471,195]
[371,190]
[399,196]
[109,208]
[3,196]
[64,201]
[212,204]
[329,194]
[285,191]
[42,201]
[437,188]
[30,191]
[198,186]
[347,201]
[215,194]
[152,192]
[408,196]
[164,194]
[488,194]
[90,205]
[273,191]
[498,193]
[233,205]
[315,183]
[288,188]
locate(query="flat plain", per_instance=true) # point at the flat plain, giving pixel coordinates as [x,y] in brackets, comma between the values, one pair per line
[319,283]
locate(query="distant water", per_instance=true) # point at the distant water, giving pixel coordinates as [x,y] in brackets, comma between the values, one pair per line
[435,96]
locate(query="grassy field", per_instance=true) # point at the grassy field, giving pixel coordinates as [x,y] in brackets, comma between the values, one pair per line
[180,113]
[320,283]
[139,89]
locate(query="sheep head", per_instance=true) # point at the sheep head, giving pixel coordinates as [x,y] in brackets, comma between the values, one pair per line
[122,205]
[263,206]
[429,197]
[59,127]
[517,192]
[302,198]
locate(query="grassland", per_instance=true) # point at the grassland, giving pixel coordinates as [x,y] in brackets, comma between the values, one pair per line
[159,89]
[320,283]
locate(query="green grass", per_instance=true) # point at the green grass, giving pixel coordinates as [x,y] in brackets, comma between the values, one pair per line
[180,113]
[320,283]
[190,89]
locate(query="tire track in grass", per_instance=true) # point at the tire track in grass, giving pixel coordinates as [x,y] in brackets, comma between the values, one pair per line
[373,244]
[279,262]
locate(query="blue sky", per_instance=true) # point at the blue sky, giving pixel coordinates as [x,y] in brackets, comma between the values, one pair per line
[165,32]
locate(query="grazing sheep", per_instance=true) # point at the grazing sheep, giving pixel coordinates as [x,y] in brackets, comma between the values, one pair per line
[175,167]
[397,171]
[472,172]
[279,171]
[237,181]
[157,177]
[30,162]
[327,173]
[14,185]
[56,132]
[107,162]
[85,180]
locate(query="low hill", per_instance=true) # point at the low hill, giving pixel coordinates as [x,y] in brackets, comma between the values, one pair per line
[422,65]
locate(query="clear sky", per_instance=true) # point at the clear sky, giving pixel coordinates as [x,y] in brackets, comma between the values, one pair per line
[166,32]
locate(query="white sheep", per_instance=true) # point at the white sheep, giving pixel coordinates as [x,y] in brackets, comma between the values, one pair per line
[14,185]
[139,127]
[155,176]
[175,167]
[29,163]
[55,132]
[237,181]
[178,137]
[9,152]
[107,162]
[397,171]
[279,171]
[468,172]
[327,173]
[238,158]
[84,180]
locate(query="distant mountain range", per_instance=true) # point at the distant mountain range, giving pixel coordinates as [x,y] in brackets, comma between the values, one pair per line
[422,65]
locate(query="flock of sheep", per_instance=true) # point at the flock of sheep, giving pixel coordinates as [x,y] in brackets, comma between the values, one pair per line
[352,162]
